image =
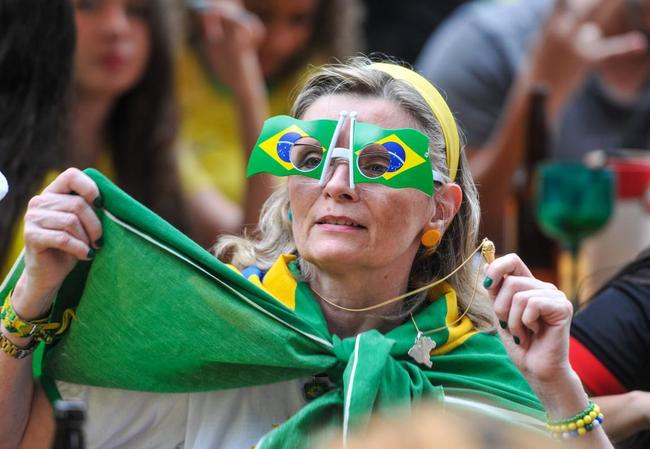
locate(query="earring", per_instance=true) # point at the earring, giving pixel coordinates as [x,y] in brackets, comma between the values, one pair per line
[431,238]
[290,216]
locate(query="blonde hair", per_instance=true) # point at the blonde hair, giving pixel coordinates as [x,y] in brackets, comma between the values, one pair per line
[275,237]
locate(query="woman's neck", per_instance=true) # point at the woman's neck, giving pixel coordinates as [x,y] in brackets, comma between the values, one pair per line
[88,136]
[357,290]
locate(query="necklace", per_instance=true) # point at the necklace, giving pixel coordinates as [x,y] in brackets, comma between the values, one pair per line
[421,349]
[486,247]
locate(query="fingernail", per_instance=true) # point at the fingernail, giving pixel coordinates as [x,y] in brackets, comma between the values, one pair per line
[99,242]
[91,253]
[487,282]
[503,324]
[516,339]
[98,202]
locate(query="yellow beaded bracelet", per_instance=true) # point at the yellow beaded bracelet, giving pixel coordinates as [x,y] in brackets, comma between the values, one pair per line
[40,330]
[576,426]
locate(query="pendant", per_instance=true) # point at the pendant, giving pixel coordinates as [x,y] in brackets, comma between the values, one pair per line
[421,349]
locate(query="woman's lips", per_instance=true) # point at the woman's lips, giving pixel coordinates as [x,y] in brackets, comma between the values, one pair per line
[113,61]
[338,224]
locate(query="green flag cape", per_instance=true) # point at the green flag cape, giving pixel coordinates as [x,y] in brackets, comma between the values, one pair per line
[155,312]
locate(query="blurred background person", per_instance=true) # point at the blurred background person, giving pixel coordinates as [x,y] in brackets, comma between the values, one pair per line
[454,427]
[610,351]
[240,64]
[590,55]
[122,117]
[36,49]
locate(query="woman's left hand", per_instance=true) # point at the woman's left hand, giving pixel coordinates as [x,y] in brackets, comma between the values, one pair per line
[535,319]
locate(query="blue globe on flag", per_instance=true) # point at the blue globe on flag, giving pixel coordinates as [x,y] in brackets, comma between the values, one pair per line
[284,145]
[397,155]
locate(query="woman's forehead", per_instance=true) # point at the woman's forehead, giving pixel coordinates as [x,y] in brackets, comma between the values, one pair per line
[378,111]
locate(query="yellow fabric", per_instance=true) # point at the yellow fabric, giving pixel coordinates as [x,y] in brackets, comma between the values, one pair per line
[211,154]
[459,332]
[280,283]
[104,164]
[438,106]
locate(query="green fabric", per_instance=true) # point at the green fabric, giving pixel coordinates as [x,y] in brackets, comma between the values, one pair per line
[155,312]
[408,150]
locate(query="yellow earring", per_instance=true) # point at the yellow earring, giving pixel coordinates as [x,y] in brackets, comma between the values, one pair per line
[431,238]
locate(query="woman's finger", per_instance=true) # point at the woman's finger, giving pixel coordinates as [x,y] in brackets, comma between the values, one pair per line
[508,265]
[57,221]
[39,239]
[552,309]
[517,330]
[524,320]
[75,181]
[502,294]
[43,204]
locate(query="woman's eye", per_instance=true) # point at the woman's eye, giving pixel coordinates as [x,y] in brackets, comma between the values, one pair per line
[374,160]
[306,157]
[377,167]
[86,5]
[311,162]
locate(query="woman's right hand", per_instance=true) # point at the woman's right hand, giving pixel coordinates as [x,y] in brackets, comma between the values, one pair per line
[61,227]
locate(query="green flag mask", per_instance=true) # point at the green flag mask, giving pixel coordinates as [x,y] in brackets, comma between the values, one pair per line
[396,158]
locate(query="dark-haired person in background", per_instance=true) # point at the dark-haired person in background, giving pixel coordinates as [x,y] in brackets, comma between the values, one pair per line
[122,117]
[36,48]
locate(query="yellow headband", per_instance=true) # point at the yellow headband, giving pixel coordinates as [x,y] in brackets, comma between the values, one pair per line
[437,104]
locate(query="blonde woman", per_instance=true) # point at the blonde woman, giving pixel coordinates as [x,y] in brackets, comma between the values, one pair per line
[379,201]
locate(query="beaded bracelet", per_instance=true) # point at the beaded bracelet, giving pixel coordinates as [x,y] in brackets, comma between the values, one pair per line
[40,330]
[578,425]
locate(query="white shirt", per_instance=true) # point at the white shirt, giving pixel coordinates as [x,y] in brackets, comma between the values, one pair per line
[227,419]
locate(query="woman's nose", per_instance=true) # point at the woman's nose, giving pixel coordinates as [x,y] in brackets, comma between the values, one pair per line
[337,185]
[115,19]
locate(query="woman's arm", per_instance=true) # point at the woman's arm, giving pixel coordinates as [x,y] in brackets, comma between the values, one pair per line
[61,227]
[231,36]
[535,319]
[627,414]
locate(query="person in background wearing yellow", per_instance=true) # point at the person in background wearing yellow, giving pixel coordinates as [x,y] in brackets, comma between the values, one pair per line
[240,63]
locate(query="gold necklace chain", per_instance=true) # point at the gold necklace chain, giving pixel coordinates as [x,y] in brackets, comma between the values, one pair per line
[457,320]
[487,250]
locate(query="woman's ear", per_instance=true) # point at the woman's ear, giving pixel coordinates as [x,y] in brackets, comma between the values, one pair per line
[447,199]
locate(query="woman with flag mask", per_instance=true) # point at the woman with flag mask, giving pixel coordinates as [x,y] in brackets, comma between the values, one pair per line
[359,293]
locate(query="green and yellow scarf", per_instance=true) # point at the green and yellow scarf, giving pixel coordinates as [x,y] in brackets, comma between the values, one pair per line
[155,312]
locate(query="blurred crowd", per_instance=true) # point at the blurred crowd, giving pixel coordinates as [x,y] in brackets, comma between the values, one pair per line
[167,97]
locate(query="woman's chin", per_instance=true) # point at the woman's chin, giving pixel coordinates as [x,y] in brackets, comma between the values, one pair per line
[339,255]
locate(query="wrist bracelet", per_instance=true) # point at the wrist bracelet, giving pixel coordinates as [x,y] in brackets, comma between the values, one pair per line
[579,424]
[40,330]
[15,351]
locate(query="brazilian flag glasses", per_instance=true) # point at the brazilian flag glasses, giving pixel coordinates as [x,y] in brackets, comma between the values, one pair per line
[397,158]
